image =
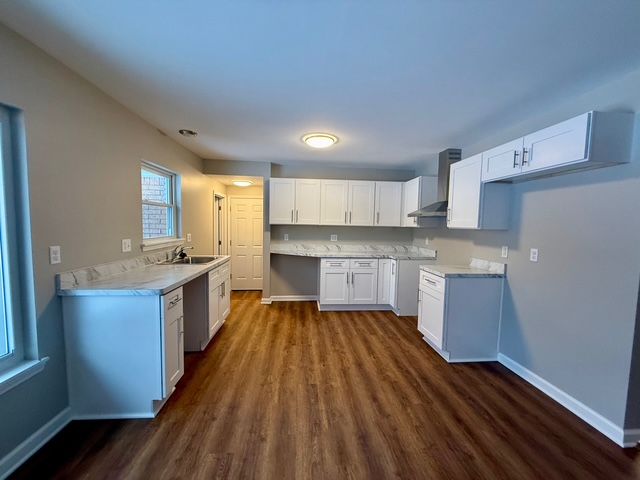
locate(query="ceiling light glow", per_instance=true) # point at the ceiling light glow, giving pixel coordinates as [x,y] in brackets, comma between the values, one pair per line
[242,183]
[319,140]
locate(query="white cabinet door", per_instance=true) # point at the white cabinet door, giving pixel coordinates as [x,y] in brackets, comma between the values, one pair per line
[334,202]
[559,144]
[173,347]
[464,193]
[307,211]
[333,285]
[388,204]
[503,161]
[393,284]
[225,300]
[363,286]
[282,200]
[361,202]
[431,316]
[384,281]
[410,202]
[214,311]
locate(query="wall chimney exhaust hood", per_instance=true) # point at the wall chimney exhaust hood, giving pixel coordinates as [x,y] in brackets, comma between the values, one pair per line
[439,208]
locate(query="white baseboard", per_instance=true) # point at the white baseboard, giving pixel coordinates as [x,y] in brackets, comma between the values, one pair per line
[624,438]
[31,445]
[293,298]
[266,301]
[113,416]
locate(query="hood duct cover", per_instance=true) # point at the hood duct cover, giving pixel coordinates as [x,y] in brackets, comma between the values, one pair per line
[439,208]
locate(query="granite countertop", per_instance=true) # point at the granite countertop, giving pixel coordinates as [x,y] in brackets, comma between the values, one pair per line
[141,276]
[347,250]
[476,268]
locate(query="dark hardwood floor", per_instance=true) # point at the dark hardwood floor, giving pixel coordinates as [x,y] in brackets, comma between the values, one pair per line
[286,392]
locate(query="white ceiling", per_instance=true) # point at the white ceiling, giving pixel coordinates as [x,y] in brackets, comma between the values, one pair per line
[396,80]
[229,179]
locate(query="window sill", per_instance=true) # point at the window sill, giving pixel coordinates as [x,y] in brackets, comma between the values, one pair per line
[21,372]
[148,245]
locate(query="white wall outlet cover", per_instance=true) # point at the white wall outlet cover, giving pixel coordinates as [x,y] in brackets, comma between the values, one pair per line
[286,237]
[426,240]
[334,237]
[188,237]
[126,245]
[505,252]
[533,255]
[55,255]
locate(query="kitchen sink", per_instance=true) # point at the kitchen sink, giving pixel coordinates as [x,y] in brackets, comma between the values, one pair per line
[192,260]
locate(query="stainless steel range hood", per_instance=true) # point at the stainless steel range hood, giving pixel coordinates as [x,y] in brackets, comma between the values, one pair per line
[439,208]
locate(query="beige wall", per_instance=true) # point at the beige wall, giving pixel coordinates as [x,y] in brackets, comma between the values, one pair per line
[255,190]
[84,152]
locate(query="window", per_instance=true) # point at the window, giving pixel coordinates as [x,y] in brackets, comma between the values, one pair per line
[18,345]
[160,221]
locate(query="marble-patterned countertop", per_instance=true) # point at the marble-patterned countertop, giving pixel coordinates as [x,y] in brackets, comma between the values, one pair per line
[349,250]
[139,276]
[476,268]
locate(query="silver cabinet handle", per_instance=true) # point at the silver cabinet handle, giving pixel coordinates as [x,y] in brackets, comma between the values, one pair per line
[350,216]
[174,302]
[516,154]
[393,268]
[296,216]
[430,281]
[181,324]
[291,215]
[524,157]
[351,278]
[347,278]
[345,217]
[378,218]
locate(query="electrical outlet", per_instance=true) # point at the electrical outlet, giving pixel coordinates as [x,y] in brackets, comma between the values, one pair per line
[505,252]
[533,255]
[334,237]
[188,237]
[55,256]
[286,237]
[426,240]
[126,245]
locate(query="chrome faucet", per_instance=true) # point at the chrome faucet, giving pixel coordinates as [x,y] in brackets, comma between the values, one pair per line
[179,251]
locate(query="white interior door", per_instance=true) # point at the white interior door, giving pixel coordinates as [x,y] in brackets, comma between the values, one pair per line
[246,243]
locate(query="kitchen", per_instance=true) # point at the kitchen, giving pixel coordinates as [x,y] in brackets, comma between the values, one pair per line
[450,287]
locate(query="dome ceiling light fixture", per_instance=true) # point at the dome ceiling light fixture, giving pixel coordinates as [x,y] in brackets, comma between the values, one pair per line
[185,132]
[242,183]
[319,140]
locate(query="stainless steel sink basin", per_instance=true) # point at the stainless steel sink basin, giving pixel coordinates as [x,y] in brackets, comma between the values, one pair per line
[192,260]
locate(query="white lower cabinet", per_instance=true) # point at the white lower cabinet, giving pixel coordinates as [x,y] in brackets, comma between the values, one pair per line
[219,298]
[369,284]
[460,316]
[173,340]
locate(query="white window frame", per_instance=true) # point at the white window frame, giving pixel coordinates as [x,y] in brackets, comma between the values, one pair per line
[174,204]
[16,259]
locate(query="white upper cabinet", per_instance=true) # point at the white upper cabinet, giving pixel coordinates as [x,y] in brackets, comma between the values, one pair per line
[472,204]
[417,193]
[502,162]
[334,202]
[361,202]
[590,140]
[307,211]
[566,142]
[388,202]
[282,201]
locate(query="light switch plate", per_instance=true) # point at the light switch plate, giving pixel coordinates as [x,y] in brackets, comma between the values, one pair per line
[286,237]
[533,255]
[126,245]
[188,237]
[505,252]
[55,256]
[334,237]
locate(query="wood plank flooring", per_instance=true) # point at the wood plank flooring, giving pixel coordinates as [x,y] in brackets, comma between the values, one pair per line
[287,392]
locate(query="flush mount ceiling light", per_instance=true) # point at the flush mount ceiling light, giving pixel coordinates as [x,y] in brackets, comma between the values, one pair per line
[242,183]
[319,140]
[185,132]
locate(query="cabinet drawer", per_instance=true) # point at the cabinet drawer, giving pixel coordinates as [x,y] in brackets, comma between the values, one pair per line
[225,270]
[364,263]
[431,281]
[334,263]
[172,304]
